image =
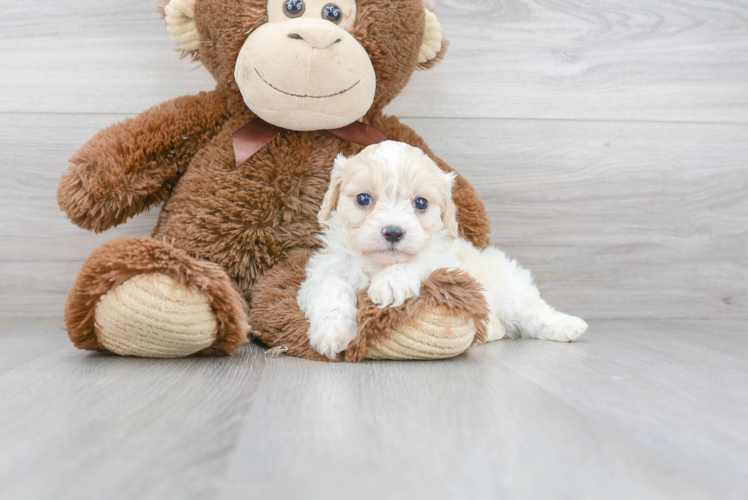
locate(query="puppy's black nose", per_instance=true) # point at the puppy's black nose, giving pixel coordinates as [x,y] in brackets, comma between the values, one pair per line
[393,234]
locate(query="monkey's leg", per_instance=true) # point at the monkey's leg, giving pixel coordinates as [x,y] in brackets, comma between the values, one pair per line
[446,319]
[143,297]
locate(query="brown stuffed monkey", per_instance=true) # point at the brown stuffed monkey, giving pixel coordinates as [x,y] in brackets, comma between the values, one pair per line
[241,172]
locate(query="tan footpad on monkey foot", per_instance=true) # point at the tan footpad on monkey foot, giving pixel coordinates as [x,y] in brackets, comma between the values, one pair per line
[444,321]
[153,316]
[433,334]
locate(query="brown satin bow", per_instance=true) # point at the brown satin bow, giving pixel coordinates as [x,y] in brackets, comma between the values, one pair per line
[253,136]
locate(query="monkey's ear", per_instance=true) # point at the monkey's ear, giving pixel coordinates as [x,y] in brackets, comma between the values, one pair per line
[434,45]
[180,23]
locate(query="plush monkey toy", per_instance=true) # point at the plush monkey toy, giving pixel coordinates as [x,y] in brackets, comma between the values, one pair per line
[241,172]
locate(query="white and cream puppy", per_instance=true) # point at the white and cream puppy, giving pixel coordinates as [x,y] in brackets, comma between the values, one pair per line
[388,222]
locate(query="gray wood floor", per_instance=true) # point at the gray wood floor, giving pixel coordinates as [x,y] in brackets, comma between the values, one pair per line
[637,409]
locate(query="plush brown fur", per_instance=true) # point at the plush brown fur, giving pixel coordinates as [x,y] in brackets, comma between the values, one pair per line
[118,260]
[245,220]
[132,165]
[278,321]
[274,312]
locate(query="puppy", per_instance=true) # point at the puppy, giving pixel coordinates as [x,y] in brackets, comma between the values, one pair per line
[389,221]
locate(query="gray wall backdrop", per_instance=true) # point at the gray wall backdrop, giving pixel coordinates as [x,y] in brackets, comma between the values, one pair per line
[609,140]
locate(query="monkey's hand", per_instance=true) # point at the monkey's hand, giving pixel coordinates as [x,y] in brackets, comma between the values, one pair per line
[132,165]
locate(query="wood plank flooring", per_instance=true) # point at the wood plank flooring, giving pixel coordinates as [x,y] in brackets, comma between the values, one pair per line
[636,409]
[673,60]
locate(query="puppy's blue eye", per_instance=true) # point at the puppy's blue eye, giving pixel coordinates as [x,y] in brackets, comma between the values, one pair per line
[363,200]
[420,204]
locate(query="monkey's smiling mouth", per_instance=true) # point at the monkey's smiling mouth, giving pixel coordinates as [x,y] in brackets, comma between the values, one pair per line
[300,95]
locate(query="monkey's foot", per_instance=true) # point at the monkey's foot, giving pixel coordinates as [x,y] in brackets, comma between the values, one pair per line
[447,317]
[153,316]
[143,297]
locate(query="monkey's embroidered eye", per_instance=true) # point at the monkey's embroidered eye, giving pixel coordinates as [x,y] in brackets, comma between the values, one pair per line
[294,8]
[332,13]
[420,204]
[363,200]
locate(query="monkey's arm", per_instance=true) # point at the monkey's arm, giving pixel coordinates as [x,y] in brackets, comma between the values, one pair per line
[472,218]
[134,164]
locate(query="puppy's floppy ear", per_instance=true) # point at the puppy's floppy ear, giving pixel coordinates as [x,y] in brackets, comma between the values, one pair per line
[449,211]
[330,203]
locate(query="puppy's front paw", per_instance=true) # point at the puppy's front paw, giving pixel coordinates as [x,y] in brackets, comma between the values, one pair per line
[566,328]
[394,288]
[330,334]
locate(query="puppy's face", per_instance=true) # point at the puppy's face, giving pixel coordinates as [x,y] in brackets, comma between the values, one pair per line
[391,198]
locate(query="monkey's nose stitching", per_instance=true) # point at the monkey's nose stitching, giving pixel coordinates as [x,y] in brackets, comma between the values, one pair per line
[393,234]
[295,36]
